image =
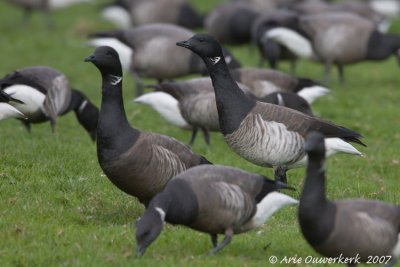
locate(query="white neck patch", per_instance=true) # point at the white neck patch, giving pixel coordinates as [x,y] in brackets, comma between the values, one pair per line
[214,60]
[82,106]
[161,212]
[115,79]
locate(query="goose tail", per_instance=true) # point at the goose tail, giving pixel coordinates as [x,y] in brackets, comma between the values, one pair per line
[337,145]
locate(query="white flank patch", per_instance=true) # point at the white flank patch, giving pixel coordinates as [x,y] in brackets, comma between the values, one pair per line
[117,15]
[337,145]
[215,60]
[270,204]
[56,4]
[32,98]
[166,106]
[124,51]
[310,94]
[388,8]
[384,26]
[115,79]
[396,250]
[161,212]
[295,42]
[8,112]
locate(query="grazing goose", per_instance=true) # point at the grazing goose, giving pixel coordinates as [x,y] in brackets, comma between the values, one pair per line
[262,82]
[231,22]
[44,6]
[138,163]
[351,39]
[46,94]
[264,134]
[126,13]
[355,228]
[212,199]
[149,51]
[193,101]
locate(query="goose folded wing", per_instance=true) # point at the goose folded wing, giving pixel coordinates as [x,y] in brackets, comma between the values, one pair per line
[58,97]
[303,124]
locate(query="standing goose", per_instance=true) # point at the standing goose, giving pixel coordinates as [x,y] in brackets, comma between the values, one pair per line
[44,6]
[355,228]
[351,39]
[46,94]
[149,51]
[264,134]
[215,200]
[262,82]
[138,163]
[193,101]
[127,13]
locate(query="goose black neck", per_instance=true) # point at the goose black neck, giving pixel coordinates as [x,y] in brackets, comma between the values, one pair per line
[114,134]
[178,202]
[316,213]
[232,103]
[381,46]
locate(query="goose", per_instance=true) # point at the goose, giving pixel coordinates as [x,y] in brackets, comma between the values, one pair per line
[231,22]
[138,163]
[45,94]
[354,228]
[269,49]
[44,6]
[262,82]
[193,101]
[149,50]
[212,199]
[127,13]
[264,134]
[337,38]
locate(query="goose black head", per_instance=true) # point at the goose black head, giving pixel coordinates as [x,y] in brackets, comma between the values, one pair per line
[205,46]
[315,145]
[106,59]
[148,228]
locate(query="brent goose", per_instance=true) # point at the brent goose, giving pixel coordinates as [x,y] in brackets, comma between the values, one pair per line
[46,94]
[138,163]
[351,39]
[212,199]
[127,13]
[264,134]
[262,82]
[356,228]
[149,51]
[193,104]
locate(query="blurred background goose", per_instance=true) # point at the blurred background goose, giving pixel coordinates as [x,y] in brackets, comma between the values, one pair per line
[127,13]
[336,38]
[215,200]
[138,163]
[46,94]
[354,228]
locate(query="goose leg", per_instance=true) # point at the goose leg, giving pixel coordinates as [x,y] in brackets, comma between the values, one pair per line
[193,137]
[214,240]
[206,136]
[327,72]
[226,241]
[26,125]
[53,126]
[280,174]
[341,74]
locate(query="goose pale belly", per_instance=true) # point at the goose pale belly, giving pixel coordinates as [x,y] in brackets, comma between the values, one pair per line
[266,143]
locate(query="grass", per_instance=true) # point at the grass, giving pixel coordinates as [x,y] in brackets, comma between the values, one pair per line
[58,209]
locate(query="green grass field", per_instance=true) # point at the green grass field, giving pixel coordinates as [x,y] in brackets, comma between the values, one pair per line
[58,209]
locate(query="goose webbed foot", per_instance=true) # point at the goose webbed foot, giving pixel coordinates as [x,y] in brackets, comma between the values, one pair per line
[226,241]
[280,174]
